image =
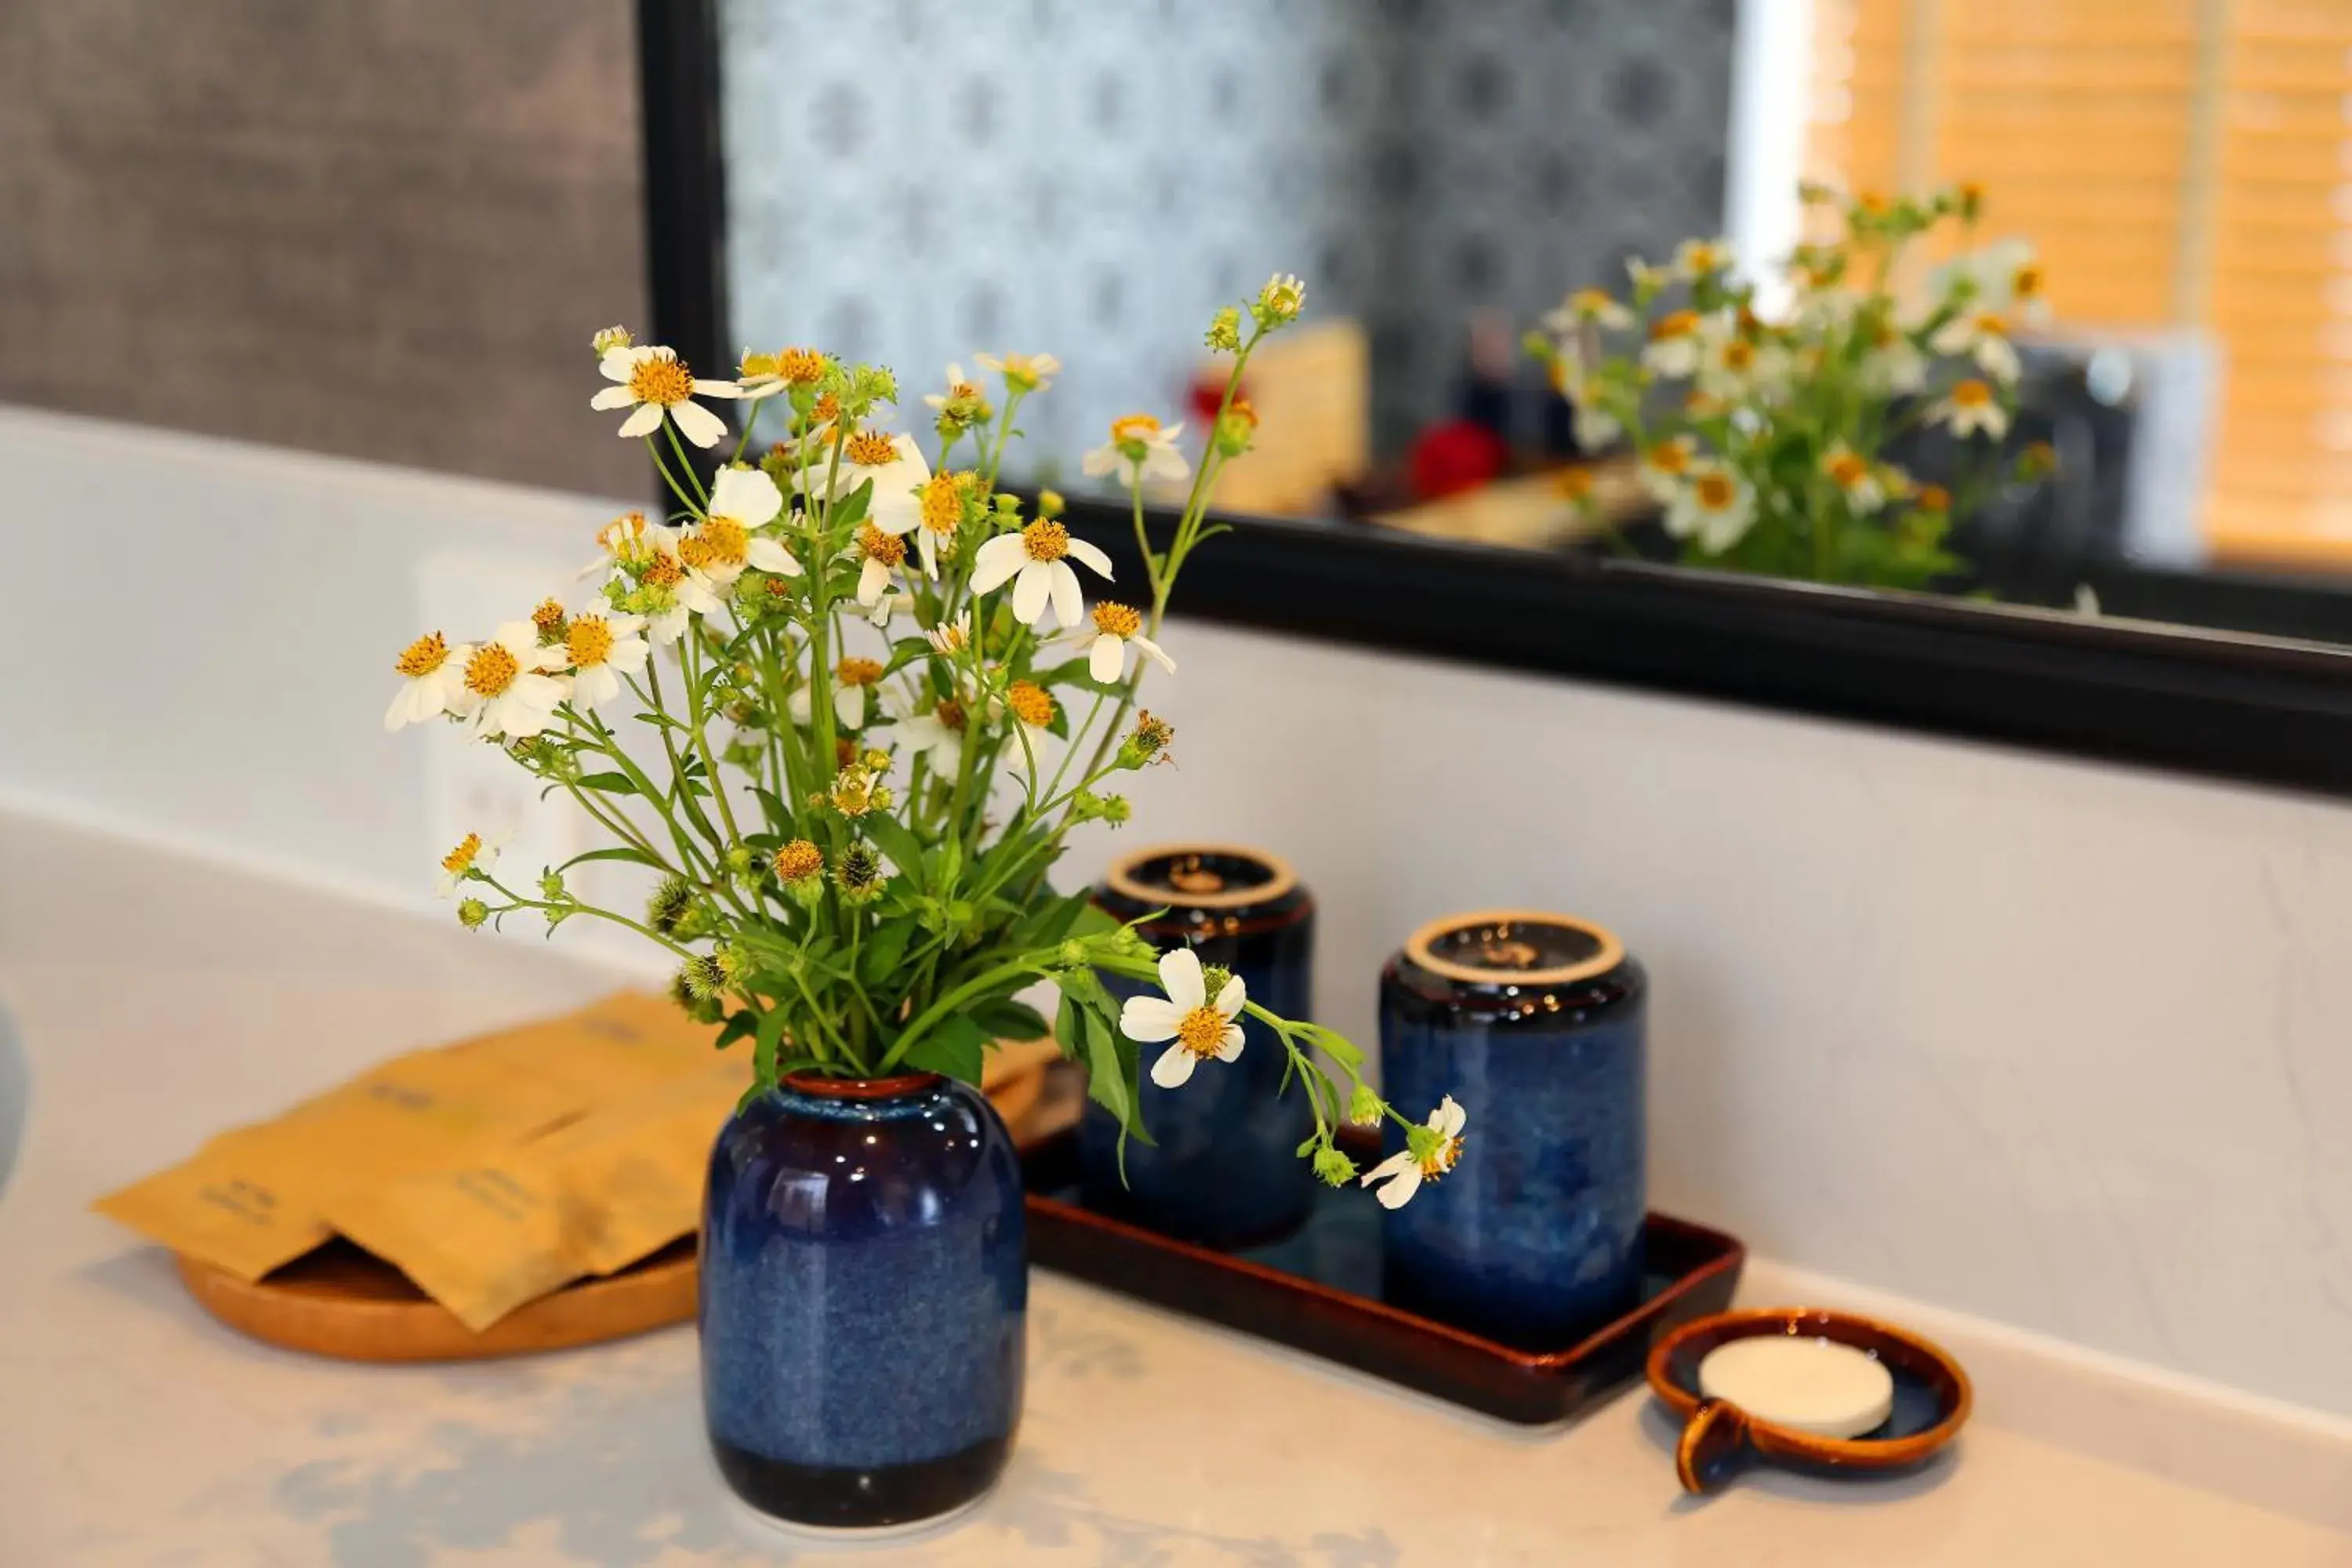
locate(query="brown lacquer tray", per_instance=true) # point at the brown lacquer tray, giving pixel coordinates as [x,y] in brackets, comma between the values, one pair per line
[1320,1290]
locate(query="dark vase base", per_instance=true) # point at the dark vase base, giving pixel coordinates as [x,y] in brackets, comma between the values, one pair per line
[844,1498]
[1218,1234]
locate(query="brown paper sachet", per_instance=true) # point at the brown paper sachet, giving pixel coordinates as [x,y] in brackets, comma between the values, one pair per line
[589,1197]
[254,1198]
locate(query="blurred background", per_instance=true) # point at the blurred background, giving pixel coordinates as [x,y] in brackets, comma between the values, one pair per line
[376,230]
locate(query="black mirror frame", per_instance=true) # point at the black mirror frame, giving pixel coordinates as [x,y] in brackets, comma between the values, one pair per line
[2266,710]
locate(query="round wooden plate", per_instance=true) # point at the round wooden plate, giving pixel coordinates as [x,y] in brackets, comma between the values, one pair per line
[343,1301]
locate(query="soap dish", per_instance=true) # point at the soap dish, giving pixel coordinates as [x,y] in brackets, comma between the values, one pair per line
[1931,1398]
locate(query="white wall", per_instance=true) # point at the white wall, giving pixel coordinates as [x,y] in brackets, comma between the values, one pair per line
[2061,1045]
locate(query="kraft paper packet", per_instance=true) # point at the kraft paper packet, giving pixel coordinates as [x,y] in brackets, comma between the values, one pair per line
[255,1197]
[589,1197]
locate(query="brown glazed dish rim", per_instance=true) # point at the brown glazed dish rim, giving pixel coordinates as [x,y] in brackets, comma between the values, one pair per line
[1281,880]
[1786,1442]
[1418,949]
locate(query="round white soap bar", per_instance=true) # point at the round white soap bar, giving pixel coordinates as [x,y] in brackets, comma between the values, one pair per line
[1813,1386]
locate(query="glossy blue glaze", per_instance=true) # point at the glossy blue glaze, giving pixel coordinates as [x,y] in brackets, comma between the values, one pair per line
[1534,1237]
[864,1296]
[1223,1169]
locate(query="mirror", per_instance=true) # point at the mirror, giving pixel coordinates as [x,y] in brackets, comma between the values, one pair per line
[2127,239]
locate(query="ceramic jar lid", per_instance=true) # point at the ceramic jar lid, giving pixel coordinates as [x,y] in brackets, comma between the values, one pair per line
[1515,947]
[1208,890]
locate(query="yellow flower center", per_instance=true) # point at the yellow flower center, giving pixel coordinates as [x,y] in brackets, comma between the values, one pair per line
[1716,490]
[754,367]
[719,541]
[872,449]
[859,671]
[800,366]
[825,410]
[887,548]
[949,713]
[1045,541]
[1441,1158]
[1992,324]
[1133,427]
[1589,301]
[589,641]
[1669,457]
[1117,620]
[664,571]
[1737,355]
[1935,497]
[663,379]
[962,392]
[2026,281]
[942,503]
[1846,470]
[1673,325]
[1705,259]
[1201,1031]
[423,656]
[622,535]
[491,671]
[1031,703]
[461,860]
[549,619]
[798,861]
[1971,395]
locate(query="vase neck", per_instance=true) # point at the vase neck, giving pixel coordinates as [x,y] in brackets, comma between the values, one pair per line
[817,1086]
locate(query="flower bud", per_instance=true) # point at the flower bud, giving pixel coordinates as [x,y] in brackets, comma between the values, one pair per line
[472,912]
[608,340]
[1334,1168]
[1364,1107]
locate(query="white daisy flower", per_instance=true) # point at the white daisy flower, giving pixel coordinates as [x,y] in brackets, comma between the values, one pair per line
[1983,336]
[1665,464]
[939,506]
[432,674]
[1034,559]
[505,690]
[1592,305]
[1855,478]
[887,605]
[1139,448]
[629,538]
[1715,507]
[723,542]
[600,648]
[1116,627]
[1200,1027]
[1732,364]
[933,730]
[654,380]
[1028,373]
[951,639]
[472,854]
[1400,1175]
[961,390]
[1970,407]
[1645,277]
[1675,344]
[880,554]
[895,465]
[1891,362]
[852,678]
[1696,258]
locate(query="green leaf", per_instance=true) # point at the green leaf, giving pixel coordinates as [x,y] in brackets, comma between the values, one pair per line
[850,509]
[773,804]
[743,1022]
[955,1047]
[610,783]
[763,1046]
[1006,1019]
[883,950]
[890,836]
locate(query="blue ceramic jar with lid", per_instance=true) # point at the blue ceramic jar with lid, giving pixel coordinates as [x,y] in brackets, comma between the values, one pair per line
[1222,1170]
[1534,1023]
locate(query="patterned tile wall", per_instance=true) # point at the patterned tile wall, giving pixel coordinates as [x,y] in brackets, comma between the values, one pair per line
[914,179]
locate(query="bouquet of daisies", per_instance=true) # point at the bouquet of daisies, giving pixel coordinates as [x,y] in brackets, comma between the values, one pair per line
[845,704]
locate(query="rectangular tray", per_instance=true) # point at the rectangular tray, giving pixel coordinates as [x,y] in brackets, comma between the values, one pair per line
[1320,1291]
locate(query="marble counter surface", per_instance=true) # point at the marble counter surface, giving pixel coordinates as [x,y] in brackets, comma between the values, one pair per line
[160,1000]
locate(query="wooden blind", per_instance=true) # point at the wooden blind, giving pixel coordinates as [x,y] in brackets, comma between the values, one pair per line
[2177,163]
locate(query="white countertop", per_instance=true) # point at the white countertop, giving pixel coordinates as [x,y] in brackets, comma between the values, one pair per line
[161,1000]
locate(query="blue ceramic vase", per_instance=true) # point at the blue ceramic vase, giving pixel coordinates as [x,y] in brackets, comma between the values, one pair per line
[863,1297]
[1222,1170]
[1534,1023]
